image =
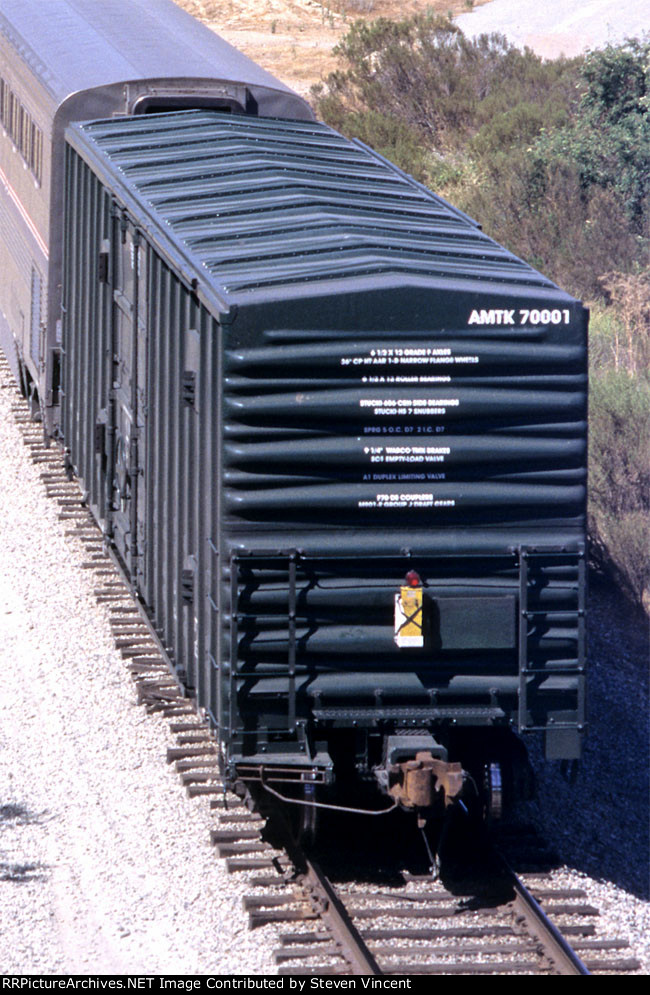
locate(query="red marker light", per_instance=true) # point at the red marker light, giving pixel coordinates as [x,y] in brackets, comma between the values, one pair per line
[413,579]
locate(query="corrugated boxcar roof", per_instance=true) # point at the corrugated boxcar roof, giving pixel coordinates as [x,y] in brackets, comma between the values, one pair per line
[76,45]
[261,205]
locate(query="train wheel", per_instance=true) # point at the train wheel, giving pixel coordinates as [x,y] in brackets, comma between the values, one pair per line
[308,817]
[492,792]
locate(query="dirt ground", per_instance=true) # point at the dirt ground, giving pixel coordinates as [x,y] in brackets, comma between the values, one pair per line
[294,38]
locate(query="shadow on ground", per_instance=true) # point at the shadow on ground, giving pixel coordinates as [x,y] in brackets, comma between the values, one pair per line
[600,820]
[13,815]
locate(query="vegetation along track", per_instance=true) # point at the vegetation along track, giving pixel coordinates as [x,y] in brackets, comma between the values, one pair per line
[385,923]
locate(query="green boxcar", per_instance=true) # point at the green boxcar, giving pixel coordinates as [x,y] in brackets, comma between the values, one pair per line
[292,376]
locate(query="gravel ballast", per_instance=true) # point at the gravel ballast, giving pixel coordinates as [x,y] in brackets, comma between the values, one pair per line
[105,865]
[597,816]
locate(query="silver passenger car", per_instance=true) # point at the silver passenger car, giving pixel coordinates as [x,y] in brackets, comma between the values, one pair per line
[78,60]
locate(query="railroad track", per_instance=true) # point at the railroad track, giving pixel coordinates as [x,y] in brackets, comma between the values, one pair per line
[422,928]
[415,926]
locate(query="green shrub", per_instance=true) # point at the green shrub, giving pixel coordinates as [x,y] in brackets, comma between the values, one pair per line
[630,295]
[622,542]
[550,156]
[619,478]
[392,138]
[542,216]
[605,332]
[425,73]
[510,127]
[608,139]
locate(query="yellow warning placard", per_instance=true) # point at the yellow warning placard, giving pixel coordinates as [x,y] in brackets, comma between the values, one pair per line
[408,617]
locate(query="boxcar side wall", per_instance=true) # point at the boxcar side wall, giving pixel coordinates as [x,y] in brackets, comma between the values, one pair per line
[141,356]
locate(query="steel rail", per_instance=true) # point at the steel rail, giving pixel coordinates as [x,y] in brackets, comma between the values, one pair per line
[556,946]
[336,917]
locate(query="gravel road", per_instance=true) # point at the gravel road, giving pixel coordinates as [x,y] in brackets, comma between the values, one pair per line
[559,27]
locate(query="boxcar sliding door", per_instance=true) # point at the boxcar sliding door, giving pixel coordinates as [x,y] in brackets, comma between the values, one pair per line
[126,409]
